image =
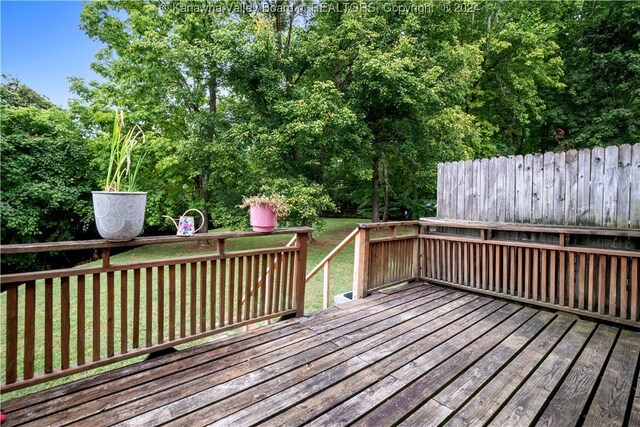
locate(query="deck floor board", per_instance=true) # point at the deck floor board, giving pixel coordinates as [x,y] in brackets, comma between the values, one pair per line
[420,354]
[613,394]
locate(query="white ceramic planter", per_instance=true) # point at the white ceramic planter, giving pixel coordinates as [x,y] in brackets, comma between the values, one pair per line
[119,215]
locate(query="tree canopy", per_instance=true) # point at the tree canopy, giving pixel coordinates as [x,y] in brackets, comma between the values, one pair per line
[344,107]
[46,174]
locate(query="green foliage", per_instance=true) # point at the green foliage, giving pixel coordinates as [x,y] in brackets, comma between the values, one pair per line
[520,60]
[600,105]
[15,94]
[352,107]
[121,174]
[46,176]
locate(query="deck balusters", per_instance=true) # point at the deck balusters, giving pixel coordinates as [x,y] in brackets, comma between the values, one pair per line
[163,302]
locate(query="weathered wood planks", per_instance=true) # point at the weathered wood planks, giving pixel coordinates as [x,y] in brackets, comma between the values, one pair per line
[417,355]
[581,279]
[597,187]
[609,405]
[569,401]
[128,313]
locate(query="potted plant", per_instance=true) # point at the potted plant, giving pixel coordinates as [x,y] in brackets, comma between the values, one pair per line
[264,211]
[119,209]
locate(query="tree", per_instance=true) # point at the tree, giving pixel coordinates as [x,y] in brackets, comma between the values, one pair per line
[46,174]
[166,67]
[600,105]
[218,92]
[520,62]
[401,74]
[353,100]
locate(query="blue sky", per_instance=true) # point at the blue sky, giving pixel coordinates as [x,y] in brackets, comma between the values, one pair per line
[42,45]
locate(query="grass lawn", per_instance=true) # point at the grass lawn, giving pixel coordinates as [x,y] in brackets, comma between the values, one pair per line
[341,281]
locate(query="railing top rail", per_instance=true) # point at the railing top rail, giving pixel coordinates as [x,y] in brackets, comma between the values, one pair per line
[535,228]
[140,241]
[331,254]
[373,225]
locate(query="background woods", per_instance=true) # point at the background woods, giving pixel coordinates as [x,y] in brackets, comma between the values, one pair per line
[342,107]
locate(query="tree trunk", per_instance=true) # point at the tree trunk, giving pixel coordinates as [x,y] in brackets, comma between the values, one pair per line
[375,197]
[205,196]
[213,95]
[385,176]
[202,191]
[415,202]
[202,183]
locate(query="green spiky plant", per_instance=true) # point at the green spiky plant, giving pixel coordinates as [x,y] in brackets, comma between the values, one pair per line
[120,175]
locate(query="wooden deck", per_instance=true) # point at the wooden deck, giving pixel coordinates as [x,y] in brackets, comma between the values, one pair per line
[417,355]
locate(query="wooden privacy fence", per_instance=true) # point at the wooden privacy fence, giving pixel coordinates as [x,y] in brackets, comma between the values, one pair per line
[598,282]
[61,322]
[598,187]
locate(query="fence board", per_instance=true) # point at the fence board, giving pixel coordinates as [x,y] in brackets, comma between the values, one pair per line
[441,190]
[610,195]
[491,191]
[460,194]
[527,197]
[469,183]
[559,191]
[584,187]
[482,205]
[475,211]
[548,202]
[30,328]
[624,187]
[518,208]
[501,188]
[634,193]
[445,184]
[11,363]
[81,310]
[537,199]
[510,189]
[596,199]
[571,187]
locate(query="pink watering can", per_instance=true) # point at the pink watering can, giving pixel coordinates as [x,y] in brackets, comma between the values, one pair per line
[186,224]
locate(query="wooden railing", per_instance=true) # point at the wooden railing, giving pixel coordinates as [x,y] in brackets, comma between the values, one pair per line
[65,321]
[385,261]
[594,281]
[325,267]
[537,264]
[62,322]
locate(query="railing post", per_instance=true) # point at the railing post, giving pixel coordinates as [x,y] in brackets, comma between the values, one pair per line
[220,247]
[327,284]
[415,271]
[302,240]
[361,264]
[106,259]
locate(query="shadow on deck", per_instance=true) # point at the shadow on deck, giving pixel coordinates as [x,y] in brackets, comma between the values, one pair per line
[419,354]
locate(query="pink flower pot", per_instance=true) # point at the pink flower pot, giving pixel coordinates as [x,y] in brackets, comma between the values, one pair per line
[262,218]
